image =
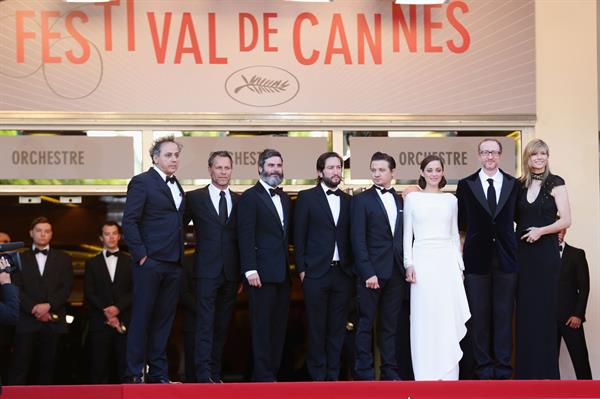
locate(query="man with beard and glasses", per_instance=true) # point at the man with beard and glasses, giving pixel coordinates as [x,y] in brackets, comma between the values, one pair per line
[324,262]
[263,221]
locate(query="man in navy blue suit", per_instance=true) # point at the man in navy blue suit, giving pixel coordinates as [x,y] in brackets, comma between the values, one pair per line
[263,222]
[380,285]
[153,228]
[486,213]
[324,262]
[217,264]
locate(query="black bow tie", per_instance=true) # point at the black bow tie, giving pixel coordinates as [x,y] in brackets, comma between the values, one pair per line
[171,179]
[276,191]
[108,253]
[386,190]
[40,251]
[334,192]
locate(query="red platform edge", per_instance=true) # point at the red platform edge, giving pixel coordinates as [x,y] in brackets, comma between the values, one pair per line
[316,390]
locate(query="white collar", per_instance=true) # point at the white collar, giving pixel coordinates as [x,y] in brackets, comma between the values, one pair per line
[213,189]
[497,177]
[162,174]
[325,188]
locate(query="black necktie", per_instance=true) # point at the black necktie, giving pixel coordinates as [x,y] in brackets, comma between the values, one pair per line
[222,207]
[40,251]
[491,196]
[334,192]
[115,254]
[275,191]
[171,179]
[386,190]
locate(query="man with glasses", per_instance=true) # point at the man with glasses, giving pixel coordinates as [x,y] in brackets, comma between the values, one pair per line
[486,212]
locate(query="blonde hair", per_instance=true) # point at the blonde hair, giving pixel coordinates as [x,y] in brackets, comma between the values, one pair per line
[533,147]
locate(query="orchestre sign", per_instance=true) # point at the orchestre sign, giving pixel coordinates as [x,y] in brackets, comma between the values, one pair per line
[61,157]
[299,155]
[458,153]
[465,57]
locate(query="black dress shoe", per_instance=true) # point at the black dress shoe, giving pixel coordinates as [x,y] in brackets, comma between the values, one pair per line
[132,380]
[161,380]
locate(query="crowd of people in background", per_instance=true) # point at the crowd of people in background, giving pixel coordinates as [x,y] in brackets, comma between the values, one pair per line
[466,270]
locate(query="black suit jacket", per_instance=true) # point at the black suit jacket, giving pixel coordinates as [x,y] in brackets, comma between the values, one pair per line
[315,233]
[216,243]
[54,287]
[152,225]
[263,241]
[100,292]
[574,287]
[485,232]
[376,250]
[9,304]
[187,298]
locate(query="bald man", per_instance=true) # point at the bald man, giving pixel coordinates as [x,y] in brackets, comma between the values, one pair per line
[4,237]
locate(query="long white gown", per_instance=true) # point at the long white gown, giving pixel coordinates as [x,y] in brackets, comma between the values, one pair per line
[438,303]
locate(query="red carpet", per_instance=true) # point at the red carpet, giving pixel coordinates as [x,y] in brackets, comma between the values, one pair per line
[329,390]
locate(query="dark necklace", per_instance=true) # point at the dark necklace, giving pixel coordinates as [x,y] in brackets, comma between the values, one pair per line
[537,176]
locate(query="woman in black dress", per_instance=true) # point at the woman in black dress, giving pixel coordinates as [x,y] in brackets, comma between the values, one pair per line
[543,198]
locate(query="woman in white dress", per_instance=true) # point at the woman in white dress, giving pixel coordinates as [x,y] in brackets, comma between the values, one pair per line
[433,262]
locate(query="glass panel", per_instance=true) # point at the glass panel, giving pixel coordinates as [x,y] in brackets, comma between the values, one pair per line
[515,135]
[137,151]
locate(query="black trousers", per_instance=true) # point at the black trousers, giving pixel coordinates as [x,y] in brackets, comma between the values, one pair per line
[107,349]
[327,300]
[575,341]
[491,300]
[215,300]
[269,306]
[155,294]
[385,303]
[41,346]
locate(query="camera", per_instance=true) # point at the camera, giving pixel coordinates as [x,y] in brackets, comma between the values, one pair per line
[7,251]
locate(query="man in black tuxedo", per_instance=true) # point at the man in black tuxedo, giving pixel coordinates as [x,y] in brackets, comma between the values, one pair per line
[44,283]
[217,263]
[263,222]
[107,291]
[153,227]
[380,285]
[486,212]
[324,262]
[574,289]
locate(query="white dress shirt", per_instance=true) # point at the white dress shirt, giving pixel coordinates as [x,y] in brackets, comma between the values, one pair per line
[41,259]
[334,206]
[498,178]
[215,197]
[389,202]
[175,192]
[111,263]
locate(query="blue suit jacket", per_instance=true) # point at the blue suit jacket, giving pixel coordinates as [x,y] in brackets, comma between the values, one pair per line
[485,232]
[216,242]
[376,250]
[262,240]
[9,307]
[152,225]
[315,233]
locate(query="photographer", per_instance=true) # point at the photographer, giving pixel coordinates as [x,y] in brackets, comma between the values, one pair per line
[9,305]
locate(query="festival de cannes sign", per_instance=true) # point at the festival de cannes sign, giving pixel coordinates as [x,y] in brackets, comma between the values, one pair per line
[465,57]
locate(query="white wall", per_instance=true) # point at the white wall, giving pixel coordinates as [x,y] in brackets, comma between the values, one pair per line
[567,111]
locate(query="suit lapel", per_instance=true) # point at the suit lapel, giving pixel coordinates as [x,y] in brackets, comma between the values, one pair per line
[163,187]
[210,208]
[322,199]
[507,186]
[266,199]
[477,189]
[382,206]
[398,200]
